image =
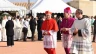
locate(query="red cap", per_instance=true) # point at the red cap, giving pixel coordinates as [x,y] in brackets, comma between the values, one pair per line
[48,12]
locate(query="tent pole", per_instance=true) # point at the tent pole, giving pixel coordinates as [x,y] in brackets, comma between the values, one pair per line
[28,4]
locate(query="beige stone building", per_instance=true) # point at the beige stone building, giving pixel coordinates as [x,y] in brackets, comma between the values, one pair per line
[23,4]
[88,6]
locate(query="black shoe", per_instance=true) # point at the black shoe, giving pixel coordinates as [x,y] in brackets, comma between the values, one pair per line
[17,40]
[24,40]
[33,40]
[93,41]
[9,46]
[40,40]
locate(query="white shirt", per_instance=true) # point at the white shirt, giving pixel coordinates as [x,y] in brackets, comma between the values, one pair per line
[25,24]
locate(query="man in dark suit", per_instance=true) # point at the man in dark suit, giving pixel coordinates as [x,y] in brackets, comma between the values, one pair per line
[9,32]
[39,24]
[32,23]
[94,36]
[58,33]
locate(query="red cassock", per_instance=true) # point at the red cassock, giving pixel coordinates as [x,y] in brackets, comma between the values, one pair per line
[50,24]
[50,39]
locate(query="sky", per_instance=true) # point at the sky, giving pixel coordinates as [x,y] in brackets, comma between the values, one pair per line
[31,0]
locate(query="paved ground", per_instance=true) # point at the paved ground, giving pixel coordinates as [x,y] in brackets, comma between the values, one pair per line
[30,48]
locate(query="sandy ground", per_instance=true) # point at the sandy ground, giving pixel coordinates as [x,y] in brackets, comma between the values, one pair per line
[29,47]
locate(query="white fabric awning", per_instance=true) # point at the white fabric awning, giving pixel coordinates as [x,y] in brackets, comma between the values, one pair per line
[35,4]
[22,11]
[8,9]
[22,8]
[5,5]
[55,6]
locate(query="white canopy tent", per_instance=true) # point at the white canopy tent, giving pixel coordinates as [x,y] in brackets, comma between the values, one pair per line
[55,6]
[36,4]
[22,11]
[5,5]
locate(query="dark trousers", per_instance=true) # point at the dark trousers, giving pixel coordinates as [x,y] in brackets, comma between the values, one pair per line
[10,40]
[25,30]
[58,35]
[33,32]
[39,34]
[94,37]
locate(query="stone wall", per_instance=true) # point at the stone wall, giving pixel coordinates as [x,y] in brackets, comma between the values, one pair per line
[94,8]
[88,7]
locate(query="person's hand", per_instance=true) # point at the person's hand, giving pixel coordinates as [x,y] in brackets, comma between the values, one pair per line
[75,31]
[44,33]
[64,29]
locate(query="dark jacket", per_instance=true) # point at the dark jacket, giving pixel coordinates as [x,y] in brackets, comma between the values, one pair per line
[94,27]
[32,23]
[39,24]
[9,28]
[59,22]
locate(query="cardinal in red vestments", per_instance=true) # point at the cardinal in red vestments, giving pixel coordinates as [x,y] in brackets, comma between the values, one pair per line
[49,31]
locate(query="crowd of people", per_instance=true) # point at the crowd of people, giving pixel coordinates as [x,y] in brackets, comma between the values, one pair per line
[75,32]
[17,28]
